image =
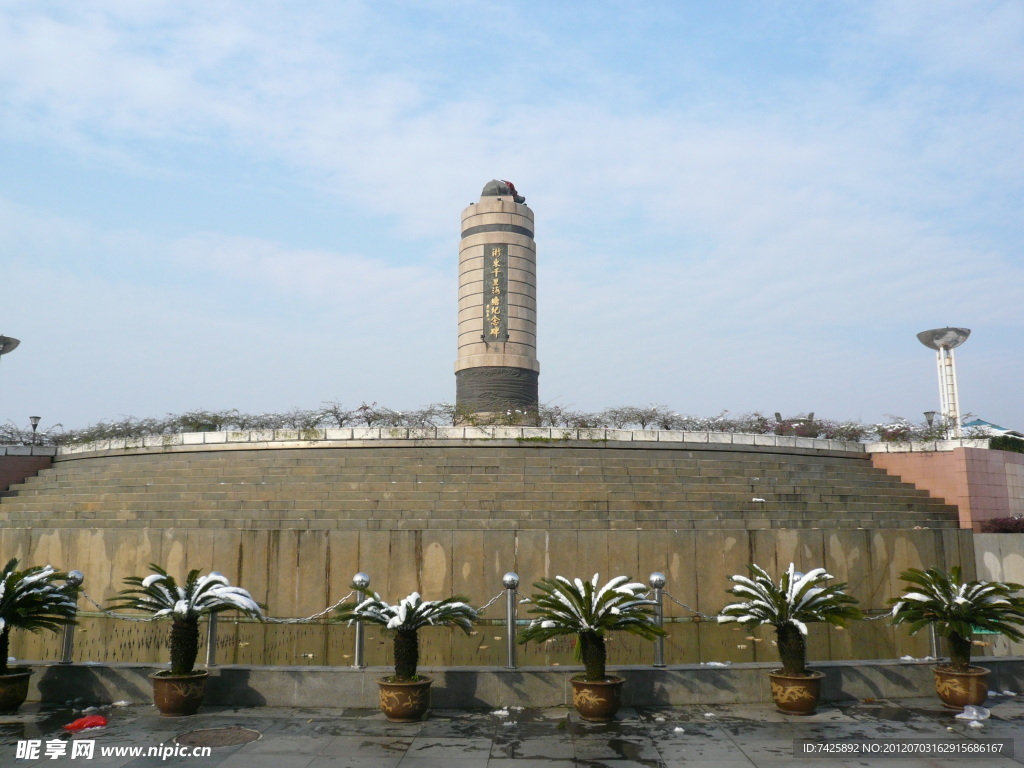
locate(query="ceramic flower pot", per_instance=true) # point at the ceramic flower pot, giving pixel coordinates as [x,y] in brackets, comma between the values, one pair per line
[179,695]
[796,694]
[958,689]
[405,702]
[599,700]
[13,690]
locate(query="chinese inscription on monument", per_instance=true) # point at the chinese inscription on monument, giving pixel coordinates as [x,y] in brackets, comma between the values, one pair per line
[495,289]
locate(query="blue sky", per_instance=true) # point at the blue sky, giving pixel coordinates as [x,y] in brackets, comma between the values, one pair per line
[741,206]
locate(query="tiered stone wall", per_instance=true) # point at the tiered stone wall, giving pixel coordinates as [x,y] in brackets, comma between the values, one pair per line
[293,520]
[527,483]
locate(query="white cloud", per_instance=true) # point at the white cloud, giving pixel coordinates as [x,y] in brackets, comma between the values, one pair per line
[227,322]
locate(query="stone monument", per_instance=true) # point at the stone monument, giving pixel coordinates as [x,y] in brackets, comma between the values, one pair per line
[497,369]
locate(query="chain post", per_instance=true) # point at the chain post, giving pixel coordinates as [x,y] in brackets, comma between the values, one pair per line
[511,582]
[211,641]
[361,581]
[75,579]
[657,581]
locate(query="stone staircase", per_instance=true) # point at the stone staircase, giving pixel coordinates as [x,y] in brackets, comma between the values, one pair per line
[486,484]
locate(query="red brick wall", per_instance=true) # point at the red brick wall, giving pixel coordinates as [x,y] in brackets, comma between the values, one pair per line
[14,469]
[984,484]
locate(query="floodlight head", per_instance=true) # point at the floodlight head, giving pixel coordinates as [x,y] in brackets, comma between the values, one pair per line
[7,344]
[944,338]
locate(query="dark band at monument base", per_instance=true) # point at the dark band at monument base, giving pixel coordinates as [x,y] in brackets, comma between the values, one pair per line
[496,388]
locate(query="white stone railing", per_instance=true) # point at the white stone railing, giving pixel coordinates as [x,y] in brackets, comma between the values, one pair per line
[925,447]
[353,435]
[348,435]
[27,450]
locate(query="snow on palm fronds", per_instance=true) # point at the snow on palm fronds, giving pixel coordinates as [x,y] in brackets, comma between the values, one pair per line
[798,599]
[160,595]
[955,607]
[565,607]
[410,613]
[32,599]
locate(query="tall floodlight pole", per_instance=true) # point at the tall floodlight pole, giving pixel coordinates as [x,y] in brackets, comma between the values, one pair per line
[7,344]
[944,341]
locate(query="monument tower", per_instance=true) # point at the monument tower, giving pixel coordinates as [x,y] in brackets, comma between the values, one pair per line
[497,368]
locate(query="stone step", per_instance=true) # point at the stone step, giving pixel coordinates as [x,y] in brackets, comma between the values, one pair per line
[538,493]
[636,470]
[597,510]
[153,511]
[500,524]
[285,519]
[450,459]
[400,475]
[470,486]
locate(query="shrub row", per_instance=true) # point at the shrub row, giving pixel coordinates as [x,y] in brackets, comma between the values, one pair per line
[334,414]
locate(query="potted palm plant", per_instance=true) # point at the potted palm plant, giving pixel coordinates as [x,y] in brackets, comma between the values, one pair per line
[797,600]
[589,612]
[405,696]
[957,609]
[31,599]
[180,690]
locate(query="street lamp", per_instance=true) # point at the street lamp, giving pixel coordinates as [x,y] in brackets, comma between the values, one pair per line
[944,341]
[34,421]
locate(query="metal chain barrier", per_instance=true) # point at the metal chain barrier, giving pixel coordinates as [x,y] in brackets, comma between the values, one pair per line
[685,606]
[490,602]
[511,582]
[886,615]
[314,617]
[267,619]
[120,616]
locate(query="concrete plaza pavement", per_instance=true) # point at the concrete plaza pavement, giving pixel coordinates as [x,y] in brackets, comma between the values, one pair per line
[723,736]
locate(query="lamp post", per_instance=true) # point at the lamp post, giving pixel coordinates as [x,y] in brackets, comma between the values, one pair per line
[929,416]
[34,421]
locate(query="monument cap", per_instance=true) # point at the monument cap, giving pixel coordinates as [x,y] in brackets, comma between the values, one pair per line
[502,188]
